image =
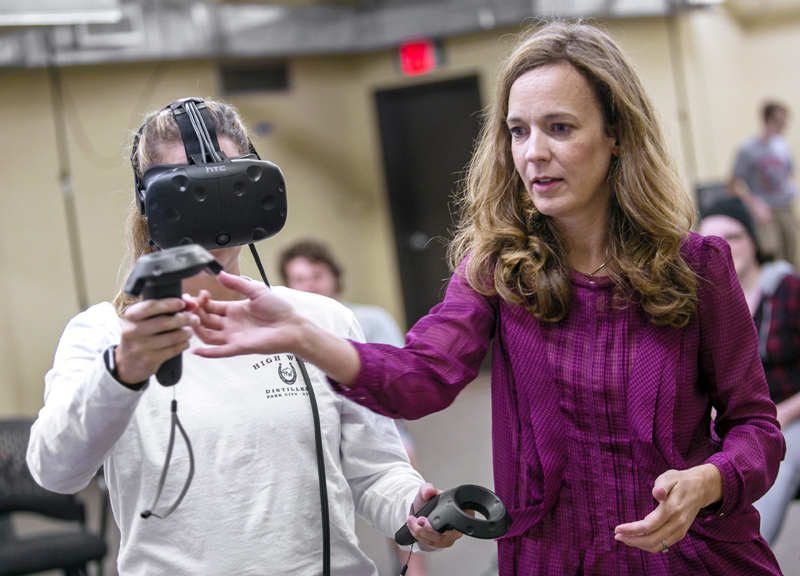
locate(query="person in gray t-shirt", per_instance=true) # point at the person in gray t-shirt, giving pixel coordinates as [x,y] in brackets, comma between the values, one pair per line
[763,177]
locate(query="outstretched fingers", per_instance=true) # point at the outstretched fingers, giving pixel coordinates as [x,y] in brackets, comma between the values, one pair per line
[209,320]
[657,542]
[218,307]
[648,533]
[241,285]
[209,336]
[224,351]
[208,327]
[648,525]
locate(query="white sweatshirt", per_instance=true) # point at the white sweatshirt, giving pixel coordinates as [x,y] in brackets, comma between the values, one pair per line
[253,506]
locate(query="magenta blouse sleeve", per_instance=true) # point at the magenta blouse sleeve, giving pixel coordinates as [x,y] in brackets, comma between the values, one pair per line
[443,353]
[752,444]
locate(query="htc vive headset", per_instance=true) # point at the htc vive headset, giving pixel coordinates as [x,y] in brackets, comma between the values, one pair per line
[213,201]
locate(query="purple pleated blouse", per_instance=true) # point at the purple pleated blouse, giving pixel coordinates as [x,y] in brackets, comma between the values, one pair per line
[587,412]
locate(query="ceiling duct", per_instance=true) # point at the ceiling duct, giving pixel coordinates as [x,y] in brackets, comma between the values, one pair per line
[128,31]
[161,30]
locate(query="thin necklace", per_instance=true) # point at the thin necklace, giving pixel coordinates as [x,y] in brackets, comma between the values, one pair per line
[591,274]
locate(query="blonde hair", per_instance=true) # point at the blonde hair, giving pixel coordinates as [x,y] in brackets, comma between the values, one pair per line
[515,251]
[159,131]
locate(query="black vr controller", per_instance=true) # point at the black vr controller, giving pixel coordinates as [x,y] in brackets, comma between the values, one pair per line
[447,511]
[159,275]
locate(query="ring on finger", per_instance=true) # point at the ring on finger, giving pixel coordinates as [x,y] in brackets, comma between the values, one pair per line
[664,546]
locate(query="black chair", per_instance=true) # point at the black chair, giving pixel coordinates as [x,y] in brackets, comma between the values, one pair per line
[708,193]
[69,551]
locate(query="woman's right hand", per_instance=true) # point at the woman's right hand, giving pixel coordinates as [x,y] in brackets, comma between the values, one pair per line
[264,323]
[153,331]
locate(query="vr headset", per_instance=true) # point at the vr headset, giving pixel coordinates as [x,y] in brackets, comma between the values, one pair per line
[213,201]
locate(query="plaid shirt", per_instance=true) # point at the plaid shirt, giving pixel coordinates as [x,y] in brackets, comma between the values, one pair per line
[782,359]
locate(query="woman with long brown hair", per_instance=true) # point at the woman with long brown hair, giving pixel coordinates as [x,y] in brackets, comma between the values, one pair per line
[615,331]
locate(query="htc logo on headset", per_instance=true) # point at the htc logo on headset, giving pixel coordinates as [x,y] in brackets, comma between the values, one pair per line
[215,169]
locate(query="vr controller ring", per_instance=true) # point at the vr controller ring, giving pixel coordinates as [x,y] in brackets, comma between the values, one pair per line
[475,498]
[448,511]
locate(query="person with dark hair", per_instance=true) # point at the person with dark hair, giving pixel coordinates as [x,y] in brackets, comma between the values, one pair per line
[309,265]
[326,280]
[614,331]
[254,503]
[763,177]
[772,292]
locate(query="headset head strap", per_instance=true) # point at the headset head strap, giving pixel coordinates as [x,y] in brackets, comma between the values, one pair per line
[198,134]
[189,113]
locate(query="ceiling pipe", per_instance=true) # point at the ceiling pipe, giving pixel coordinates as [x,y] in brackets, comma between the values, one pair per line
[174,30]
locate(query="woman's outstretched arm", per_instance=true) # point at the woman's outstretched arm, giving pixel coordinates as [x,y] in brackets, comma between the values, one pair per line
[266,324]
[443,350]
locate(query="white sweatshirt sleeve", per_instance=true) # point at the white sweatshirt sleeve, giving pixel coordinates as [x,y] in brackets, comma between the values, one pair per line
[377,469]
[85,409]
[375,463]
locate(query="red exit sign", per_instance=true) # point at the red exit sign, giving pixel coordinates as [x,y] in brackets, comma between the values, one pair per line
[418,57]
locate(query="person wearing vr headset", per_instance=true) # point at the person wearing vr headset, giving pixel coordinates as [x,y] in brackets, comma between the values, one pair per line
[253,507]
[614,331]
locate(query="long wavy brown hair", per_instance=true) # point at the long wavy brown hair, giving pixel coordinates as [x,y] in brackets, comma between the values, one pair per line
[159,131]
[514,251]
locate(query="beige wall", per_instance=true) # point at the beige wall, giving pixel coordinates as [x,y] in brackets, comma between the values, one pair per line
[37,294]
[325,139]
[734,68]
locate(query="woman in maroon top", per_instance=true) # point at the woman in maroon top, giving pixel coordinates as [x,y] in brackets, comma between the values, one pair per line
[615,331]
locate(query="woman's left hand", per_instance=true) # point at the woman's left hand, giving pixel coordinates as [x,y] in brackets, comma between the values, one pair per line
[681,494]
[421,528]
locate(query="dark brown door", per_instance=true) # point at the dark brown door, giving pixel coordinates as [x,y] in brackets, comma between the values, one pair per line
[427,132]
